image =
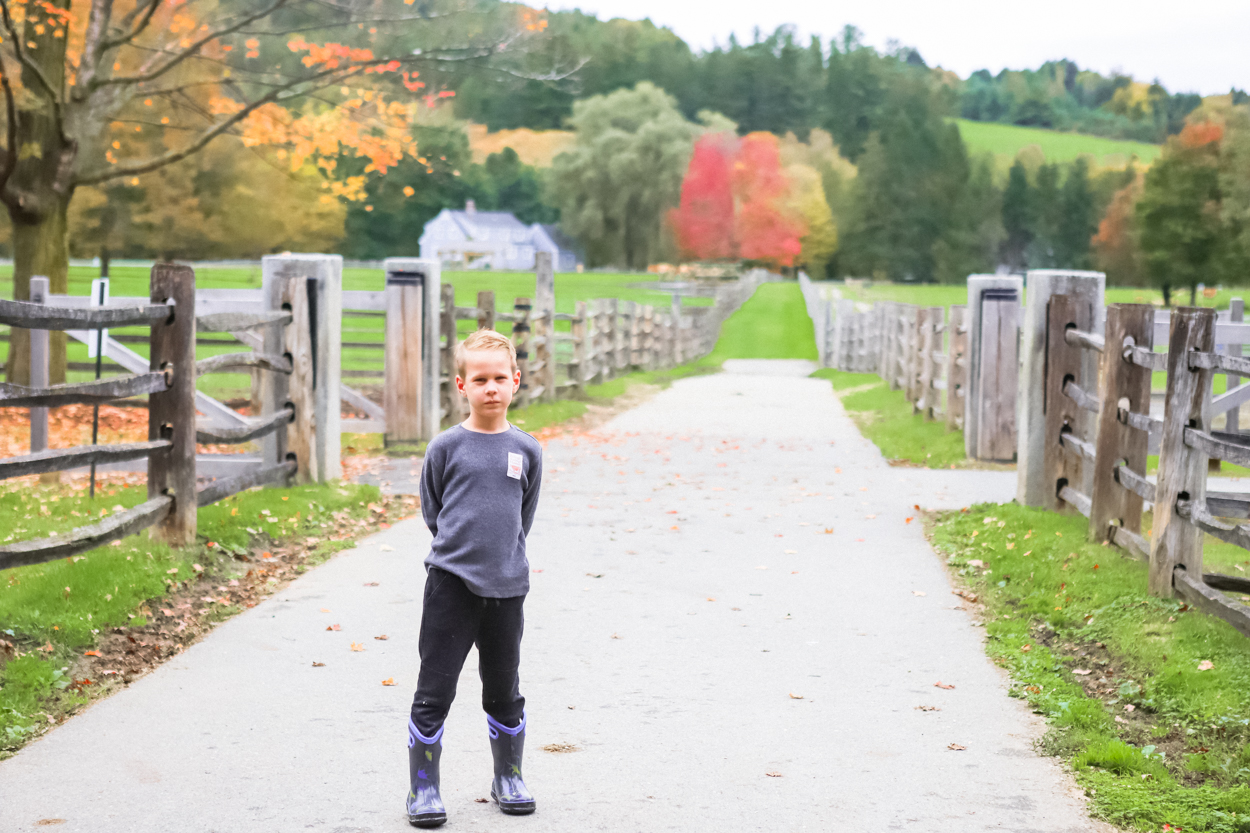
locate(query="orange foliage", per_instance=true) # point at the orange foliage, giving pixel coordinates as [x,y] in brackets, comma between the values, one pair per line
[764,230]
[704,221]
[1198,134]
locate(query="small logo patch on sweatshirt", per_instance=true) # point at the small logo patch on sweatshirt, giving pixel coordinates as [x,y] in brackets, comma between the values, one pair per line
[514,465]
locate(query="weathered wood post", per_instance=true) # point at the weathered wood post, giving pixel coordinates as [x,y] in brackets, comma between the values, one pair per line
[171,413]
[1063,414]
[39,372]
[930,341]
[402,356]
[1031,486]
[1182,470]
[956,367]
[1125,388]
[648,337]
[453,402]
[430,358]
[635,334]
[577,367]
[323,297]
[521,340]
[1236,315]
[991,295]
[298,343]
[486,309]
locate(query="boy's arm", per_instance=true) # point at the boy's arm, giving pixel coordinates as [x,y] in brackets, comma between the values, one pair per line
[529,499]
[431,488]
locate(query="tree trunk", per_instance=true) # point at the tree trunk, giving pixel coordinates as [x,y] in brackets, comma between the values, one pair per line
[1167,295]
[39,248]
[1193,294]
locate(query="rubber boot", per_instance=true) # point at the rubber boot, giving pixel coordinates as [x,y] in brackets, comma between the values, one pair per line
[425,804]
[508,747]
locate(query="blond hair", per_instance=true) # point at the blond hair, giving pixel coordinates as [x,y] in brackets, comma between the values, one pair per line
[484,340]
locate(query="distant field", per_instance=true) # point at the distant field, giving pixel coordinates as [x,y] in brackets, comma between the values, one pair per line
[1004,141]
[508,286]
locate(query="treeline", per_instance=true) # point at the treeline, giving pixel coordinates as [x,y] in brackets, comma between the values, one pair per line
[778,83]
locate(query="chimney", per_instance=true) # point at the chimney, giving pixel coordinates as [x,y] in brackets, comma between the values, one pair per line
[470,207]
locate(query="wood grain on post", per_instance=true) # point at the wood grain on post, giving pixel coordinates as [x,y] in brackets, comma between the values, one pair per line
[995,402]
[521,340]
[39,368]
[453,401]
[544,283]
[648,337]
[635,335]
[614,330]
[1182,470]
[297,343]
[1124,385]
[577,367]
[956,367]
[1063,364]
[402,364]
[171,413]
[486,309]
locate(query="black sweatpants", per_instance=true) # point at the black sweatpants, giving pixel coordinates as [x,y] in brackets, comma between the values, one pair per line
[454,620]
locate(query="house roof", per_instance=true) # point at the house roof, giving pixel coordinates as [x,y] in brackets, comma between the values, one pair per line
[469,223]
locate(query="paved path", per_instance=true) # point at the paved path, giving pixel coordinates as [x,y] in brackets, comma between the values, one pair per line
[685,597]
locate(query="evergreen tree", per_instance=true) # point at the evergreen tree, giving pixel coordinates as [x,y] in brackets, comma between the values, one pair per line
[1019,217]
[1047,209]
[1078,219]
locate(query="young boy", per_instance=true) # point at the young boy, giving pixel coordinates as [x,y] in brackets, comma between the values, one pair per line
[479,490]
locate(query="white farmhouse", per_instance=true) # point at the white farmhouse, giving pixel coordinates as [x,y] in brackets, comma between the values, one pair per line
[472,239]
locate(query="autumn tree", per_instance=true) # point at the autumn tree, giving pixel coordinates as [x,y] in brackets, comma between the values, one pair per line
[1116,245]
[704,221]
[765,225]
[105,91]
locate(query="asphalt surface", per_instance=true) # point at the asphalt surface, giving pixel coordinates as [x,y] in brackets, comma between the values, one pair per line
[732,626]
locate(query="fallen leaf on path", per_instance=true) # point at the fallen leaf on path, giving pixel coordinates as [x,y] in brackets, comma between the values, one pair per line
[828,531]
[389,681]
[674,528]
[382,638]
[917,592]
[595,575]
[92,654]
[1084,672]
[48,822]
[710,599]
[761,567]
[773,774]
[325,610]
[871,517]
[956,746]
[966,595]
[863,488]
[319,665]
[356,646]
[1026,648]
[481,801]
[334,628]
[371,584]
[908,520]
[559,747]
[794,696]
[735,608]
[1206,665]
[614,636]
[940,684]
[1129,707]
[929,708]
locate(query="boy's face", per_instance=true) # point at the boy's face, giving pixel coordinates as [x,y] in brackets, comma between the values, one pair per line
[489,381]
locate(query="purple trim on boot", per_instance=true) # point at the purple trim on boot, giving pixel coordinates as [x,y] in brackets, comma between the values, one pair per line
[414,734]
[495,727]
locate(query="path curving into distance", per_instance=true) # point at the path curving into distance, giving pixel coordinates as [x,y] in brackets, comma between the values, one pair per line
[716,660]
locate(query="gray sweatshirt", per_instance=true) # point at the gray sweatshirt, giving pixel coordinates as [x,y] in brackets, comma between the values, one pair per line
[478,496]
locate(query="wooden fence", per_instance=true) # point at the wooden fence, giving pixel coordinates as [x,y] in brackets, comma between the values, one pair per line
[169,383]
[1101,473]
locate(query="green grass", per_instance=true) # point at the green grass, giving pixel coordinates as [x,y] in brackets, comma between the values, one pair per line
[885,417]
[772,324]
[1055,603]
[63,605]
[1004,141]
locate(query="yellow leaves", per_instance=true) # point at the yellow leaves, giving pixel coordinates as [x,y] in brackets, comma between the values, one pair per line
[368,208]
[164,119]
[253,48]
[409,190]
[356,646]
[181,22]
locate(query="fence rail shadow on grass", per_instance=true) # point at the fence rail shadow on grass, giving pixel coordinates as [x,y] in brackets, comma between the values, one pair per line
[169,383]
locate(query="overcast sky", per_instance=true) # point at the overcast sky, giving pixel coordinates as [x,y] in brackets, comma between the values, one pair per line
[1198,45]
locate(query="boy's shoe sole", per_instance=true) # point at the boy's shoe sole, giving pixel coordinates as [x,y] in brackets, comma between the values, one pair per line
[428,820]
[513,808]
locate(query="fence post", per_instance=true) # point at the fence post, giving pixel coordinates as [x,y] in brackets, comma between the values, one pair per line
[39,371]
[648,337]
[1031,486]
[1236,314]
[547,353]
[956,367]
[456,407]
[1063,415]
[521,339]
[171,413]
[982,290]
[1173,541]
[635,335]
[423,325]
[932,316]
[486,309]
[577,367]
[402,365]
[1124,385]
[301,433]
[323,297]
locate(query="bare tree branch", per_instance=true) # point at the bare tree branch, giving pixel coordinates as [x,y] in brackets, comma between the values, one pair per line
[20,51]
[10,107]
[147,13]
[179,57]
[93,46]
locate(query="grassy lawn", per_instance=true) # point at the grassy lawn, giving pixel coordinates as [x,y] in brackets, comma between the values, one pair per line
[141,592]
[885,417]
[1147,699]
[1004,141]
[772,324]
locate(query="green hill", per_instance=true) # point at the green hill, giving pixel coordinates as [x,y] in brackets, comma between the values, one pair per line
[1004,141]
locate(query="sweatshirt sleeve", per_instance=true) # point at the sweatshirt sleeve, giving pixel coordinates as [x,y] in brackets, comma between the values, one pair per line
[431,487]
[529,498]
